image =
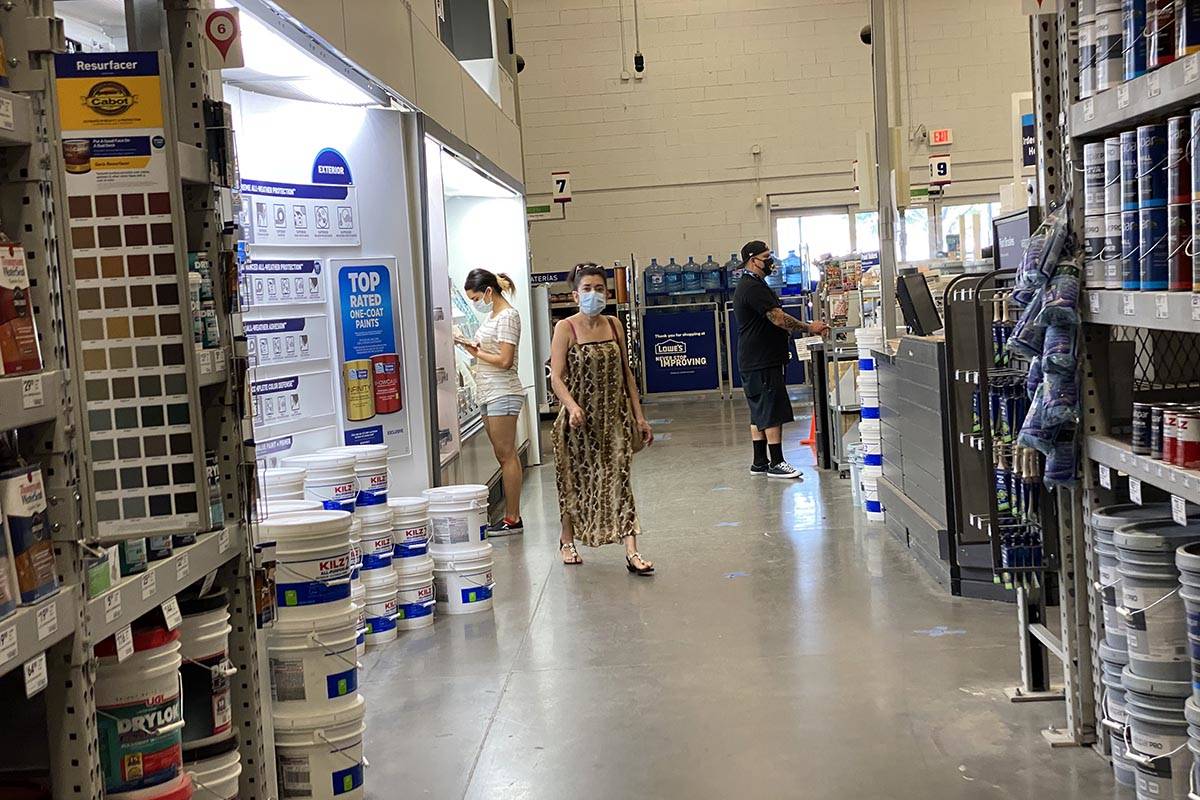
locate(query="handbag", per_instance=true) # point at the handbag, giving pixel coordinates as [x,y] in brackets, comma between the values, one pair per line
[635,433]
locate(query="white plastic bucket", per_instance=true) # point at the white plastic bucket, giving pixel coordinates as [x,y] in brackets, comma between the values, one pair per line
[410,526]
[281,483]
[329,478]
[414,593]
[314,663]
[360,625]
[355,548]
[206,671]
[319,756]
[371,469]
[381,608]
[312,562]
[376,537]
[462,578]
[457,515]
[217,778]
[139,715]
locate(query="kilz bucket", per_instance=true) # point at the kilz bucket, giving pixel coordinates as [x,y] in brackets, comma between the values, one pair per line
[410,526]
[376,537]
[1155,622]
[216,778]
[206,671]
[457,515]
[314,663]
[139,714]
[312,562]
[320,756]
[370,469]
[329,478]
[414,593]
[462,579]
[1105,522]
[381,607]
[1157,736]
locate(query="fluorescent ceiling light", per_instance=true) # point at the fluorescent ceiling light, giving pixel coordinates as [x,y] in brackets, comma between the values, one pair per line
[461,180]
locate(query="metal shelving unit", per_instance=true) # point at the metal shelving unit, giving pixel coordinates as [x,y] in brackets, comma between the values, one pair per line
[1164,311]
[33,630]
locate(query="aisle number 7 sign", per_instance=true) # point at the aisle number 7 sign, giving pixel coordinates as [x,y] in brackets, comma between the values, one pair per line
[939,170]
[561,182]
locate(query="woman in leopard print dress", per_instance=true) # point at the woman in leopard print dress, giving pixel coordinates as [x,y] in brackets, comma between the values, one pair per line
[593,449]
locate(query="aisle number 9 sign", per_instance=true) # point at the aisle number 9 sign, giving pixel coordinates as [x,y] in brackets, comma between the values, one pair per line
[939,170]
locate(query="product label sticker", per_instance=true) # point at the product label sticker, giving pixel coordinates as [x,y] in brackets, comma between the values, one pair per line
[1128,305]
[1179,510]
[183,565]
[171,613]
[47,620]
[8,120]
[223,541]
[112,606]
[1161,306]
[1123,96]
[1094,302]
[124,639]
[1105,477]
[1196,308]
[1191,68]
[1135,490]
[36,677]
[1153,85]
[8,644]
[149,585]
[32,393]
[1089,109]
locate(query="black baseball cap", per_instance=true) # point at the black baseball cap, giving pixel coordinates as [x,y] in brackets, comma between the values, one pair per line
[752,249]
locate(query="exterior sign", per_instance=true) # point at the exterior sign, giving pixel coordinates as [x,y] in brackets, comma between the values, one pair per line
[318,214]
[680,351]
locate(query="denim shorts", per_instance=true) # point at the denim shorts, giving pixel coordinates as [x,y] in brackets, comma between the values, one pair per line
[509,405]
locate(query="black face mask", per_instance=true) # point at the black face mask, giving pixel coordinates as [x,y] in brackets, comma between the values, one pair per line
[768,265]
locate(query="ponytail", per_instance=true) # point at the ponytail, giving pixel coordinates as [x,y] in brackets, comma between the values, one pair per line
[479,280]
[506,285]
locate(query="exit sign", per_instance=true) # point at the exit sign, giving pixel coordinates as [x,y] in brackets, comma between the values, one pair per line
[941,136]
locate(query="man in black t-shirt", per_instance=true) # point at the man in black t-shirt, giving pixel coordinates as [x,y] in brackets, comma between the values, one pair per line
[764,336]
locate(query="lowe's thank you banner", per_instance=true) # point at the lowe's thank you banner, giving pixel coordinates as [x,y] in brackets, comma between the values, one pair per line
[680,351]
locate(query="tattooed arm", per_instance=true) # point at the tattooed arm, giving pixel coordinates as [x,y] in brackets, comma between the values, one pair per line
[782,319]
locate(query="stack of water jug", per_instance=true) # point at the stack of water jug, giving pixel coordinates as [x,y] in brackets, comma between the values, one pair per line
[869,428]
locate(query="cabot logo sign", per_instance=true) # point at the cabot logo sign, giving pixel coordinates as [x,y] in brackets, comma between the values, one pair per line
[110,99]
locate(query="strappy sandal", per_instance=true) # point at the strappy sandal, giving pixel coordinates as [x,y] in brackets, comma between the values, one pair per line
[646,569]
[572,553]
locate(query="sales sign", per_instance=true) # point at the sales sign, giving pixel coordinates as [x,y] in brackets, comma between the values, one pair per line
[681,351]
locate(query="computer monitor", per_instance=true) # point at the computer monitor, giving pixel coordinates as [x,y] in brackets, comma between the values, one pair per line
[1010,234]
[916,303]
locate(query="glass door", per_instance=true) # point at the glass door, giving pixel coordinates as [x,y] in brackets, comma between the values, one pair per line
[803,237]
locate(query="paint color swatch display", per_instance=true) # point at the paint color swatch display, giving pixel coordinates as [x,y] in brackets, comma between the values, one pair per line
[143,449]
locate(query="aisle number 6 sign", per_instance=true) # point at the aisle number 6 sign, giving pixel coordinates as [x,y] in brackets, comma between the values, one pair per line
[223,39]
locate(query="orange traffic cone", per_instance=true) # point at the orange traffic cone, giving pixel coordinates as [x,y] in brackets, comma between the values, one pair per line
[812,431]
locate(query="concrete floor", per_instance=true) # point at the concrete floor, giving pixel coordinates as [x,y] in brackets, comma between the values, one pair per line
[785,649]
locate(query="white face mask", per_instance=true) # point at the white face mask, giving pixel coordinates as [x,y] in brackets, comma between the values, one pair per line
[592,303]
[482,306]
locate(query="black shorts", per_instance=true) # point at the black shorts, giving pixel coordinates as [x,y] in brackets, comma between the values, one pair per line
[767,395]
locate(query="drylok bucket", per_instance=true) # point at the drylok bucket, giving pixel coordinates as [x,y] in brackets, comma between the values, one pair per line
[1187,558]
[381,607]
[1157,736]
[462,579]
[376,537]
[328,477]
[206,670]
[1112,707]
[216,778]
[414,593]
[371,470]
[457,515]
[410,526]
[314,663]
[319,756]
[139,713]
[1154,617]
[1104,522]
[312,562]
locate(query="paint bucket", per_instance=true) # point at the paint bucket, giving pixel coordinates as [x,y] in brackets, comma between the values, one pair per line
[1187,27]
[1105,521]
[1152,248]
[359,598]
[330,478]
[314,663]
[410,526]
[385,369]
[360,394]
[1115,718]
[277,507]
[1087,56]
[462,578]
[414,593]
[206,670]
[139,714]
[319,756]
[1160,31]
[457,515]
[1154,614]
[23,500]
[370,469]
[1187,558]
[1191,712]
[281,483]
[216,778]
[381,606]
[355,550]
[1133,30]
[1093,178]
[1110,44]
[312,562]
[1157,735]
[376,540]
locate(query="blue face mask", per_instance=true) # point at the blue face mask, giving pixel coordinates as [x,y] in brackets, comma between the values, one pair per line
[591,303]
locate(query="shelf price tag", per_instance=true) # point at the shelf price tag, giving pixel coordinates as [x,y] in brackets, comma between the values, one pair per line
[1196,308]
[1162,308]
[1178,509]
[1128,305]
[1153,85]
[1094,302]
[32,394]
[1191,68]
[8,644]
[47,620]
[1135,490]
[112,605]
[124,638]
[149,585]
[1105,477]
[171,613]
[182,566]
[223,540]
[1089,109]
[36,678]
[1123,96]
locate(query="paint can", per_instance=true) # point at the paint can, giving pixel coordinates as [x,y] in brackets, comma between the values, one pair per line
[205,672]
[1131,267]
[320,756]
[312,558]
[1156,442]
[329,478]
[386,371]
[1157,735]
[1093,238]
[360,394]
[1169,432]
[457,515]
[1087,56]
[414,593]
[1141,428]
[216,778]
[1110,44]
[462,579]
[1112,175]
[1187,27]
[1160,28]
[1187,439]
[1129,171]
[1152,247]
[1179,239]
[1152,166]
[410,526]
[314,662]
[1093,178]
[1111,255]
[1133,30]
[23,500]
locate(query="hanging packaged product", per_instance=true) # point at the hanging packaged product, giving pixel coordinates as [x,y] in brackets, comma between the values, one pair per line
[23,500]
[18,334]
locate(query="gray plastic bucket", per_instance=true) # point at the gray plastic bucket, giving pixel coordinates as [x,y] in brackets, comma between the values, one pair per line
[1157,736]
[1192,712]
[1105,521]
[1187,559]
[1156,629]
[1113,662]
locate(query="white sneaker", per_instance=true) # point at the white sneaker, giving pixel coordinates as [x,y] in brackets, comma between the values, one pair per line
[783,470]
